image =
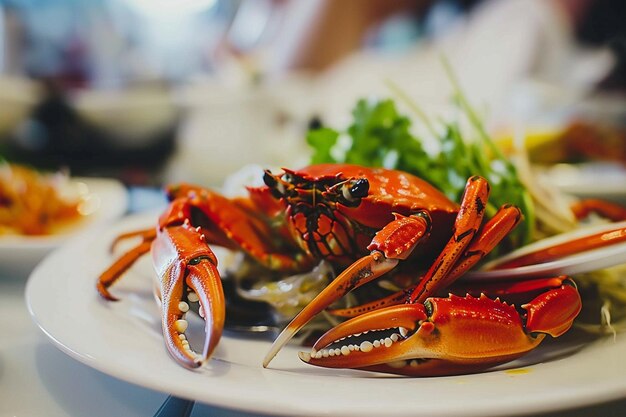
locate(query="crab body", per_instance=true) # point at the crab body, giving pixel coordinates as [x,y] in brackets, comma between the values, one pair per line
[333,212]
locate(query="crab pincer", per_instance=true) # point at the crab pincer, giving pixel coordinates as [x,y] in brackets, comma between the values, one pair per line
[188,273]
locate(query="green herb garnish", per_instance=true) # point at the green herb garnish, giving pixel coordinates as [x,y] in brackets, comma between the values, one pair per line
[380,136]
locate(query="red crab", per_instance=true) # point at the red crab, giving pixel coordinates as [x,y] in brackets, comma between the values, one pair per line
[365,222]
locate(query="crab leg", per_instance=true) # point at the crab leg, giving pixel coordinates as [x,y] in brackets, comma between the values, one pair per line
[557,247]
[115,271]
[490,235]
[187,268]
[466,226]
[236,226]
[391,244]
[183,261]
[146,235]
[611,211]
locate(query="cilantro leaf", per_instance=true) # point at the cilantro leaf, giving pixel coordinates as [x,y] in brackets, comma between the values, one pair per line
[322,141]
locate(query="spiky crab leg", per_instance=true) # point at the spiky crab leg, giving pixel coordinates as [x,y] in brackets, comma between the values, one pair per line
[446,336]
[494,230]
[395,242]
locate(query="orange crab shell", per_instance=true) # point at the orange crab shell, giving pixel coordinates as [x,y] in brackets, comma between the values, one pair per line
[390,193]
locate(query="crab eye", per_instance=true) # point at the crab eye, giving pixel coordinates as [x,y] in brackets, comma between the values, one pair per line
[359,188]
[353,191]
[276,188]
[269,179]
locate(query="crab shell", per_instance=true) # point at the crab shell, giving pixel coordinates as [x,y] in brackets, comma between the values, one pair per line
[391,193]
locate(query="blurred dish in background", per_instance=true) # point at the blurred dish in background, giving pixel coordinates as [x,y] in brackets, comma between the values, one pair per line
[584,158]
[575,139]
[34,204]
[581,141]
[131,118]
[105,108]
[589,180]
[99,201]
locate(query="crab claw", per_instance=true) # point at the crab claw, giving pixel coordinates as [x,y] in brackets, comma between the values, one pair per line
[188,273]
[554,311]
[440,337]
[372,338]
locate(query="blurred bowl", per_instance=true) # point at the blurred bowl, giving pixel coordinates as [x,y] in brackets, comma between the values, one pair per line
[130,118]
[604,180]
[17,98]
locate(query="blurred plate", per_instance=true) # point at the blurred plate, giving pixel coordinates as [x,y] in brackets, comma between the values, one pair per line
[590,180]
[107,200]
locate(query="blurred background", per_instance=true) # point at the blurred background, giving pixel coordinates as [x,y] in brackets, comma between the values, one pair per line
[154,91]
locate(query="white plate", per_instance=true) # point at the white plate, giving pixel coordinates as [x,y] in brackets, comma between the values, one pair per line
[124,340]
[590,180]
[106,199]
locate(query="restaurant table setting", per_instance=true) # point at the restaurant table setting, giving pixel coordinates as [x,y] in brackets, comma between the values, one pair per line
[68,352]
[121,119]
